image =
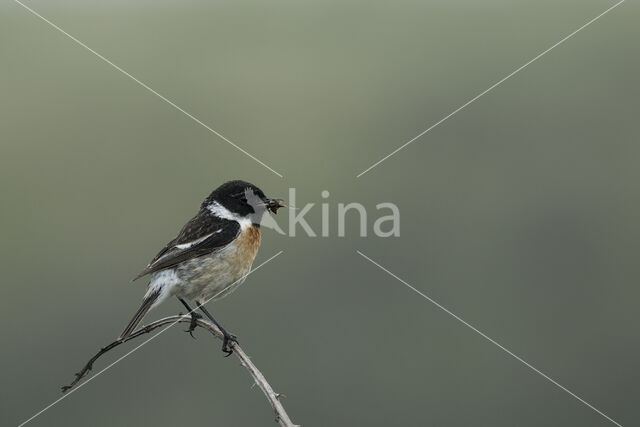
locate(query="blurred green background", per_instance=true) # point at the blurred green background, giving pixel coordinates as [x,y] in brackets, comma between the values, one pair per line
[520,213]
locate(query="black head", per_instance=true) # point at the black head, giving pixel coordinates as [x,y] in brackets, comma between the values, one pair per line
[242,198]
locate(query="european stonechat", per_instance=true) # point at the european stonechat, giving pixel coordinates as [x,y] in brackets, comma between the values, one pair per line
[212,254]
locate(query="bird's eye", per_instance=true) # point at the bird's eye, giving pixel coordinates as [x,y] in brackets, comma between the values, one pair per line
[240,196]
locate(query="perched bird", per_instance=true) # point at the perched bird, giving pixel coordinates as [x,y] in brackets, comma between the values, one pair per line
[211,255]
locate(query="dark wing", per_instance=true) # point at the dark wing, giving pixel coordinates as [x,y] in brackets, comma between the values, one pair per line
[203,234]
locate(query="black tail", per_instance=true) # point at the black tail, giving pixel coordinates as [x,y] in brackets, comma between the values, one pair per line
[147,303]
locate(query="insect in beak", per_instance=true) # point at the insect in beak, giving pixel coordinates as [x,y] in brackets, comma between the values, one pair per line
[274,204]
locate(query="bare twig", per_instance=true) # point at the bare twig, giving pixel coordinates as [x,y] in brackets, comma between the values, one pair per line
[272,397]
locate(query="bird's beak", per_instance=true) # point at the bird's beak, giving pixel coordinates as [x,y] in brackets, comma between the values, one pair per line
[274,204]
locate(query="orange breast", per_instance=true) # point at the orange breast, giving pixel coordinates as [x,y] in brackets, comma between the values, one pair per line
[247,244]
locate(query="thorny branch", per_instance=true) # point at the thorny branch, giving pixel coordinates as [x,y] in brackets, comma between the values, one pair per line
[272,397]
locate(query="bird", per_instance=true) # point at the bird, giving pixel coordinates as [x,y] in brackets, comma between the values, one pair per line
[211,255]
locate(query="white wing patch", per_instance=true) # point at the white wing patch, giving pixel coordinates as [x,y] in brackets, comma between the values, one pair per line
[195,242]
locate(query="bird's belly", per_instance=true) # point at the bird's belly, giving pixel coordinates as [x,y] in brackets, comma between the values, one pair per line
[216,275]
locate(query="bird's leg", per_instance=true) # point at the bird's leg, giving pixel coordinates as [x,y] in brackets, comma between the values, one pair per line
[226,335]
[194,317]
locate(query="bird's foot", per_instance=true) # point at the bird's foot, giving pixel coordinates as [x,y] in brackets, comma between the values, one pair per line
[193,325]
[227,337]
